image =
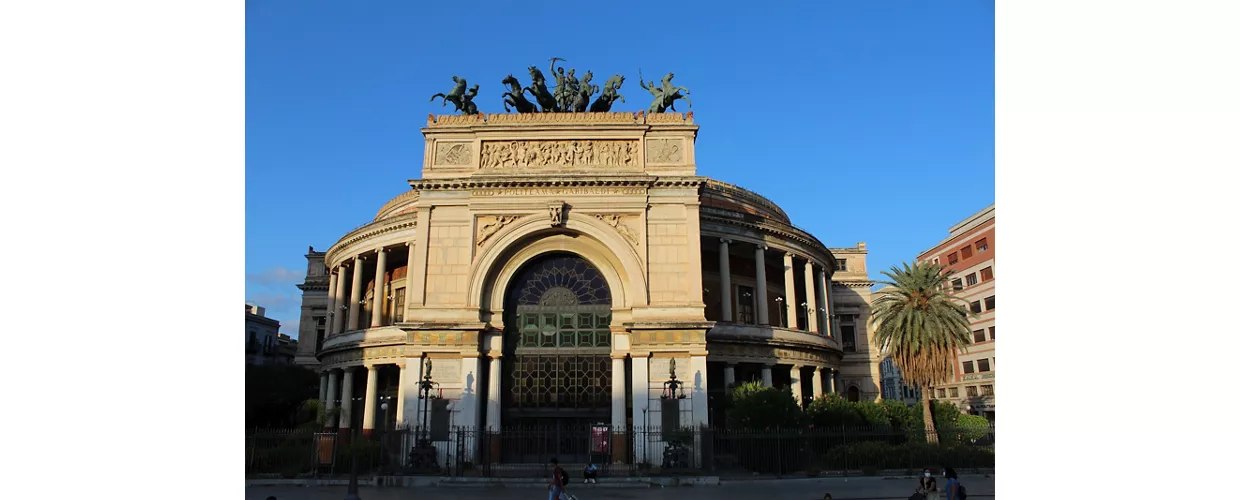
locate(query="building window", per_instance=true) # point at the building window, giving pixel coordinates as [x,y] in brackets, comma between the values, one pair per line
[942,393]
[987,274]
[252,345]
[936,261]
[988,390]
[983,365]
[966,252]
[975,307]
[848,334]
[968,367]
[971,391]
[398,306]
[841,264]
[992,333]
[971,279]
[951,258]
[990,303]
[745,305]
[957,284]
[982,246]
[979,335]
[955,392]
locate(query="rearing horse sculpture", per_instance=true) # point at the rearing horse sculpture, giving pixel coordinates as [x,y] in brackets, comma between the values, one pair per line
[539,88]
[666,95]
[516,97]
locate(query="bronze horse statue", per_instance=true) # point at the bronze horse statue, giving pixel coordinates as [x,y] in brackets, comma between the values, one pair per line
[582,97]
[609,95]
[666,95]
[539,88]
[456,95]
[516,97]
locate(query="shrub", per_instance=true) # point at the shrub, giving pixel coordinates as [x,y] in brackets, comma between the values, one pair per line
[755,406]
[832,411]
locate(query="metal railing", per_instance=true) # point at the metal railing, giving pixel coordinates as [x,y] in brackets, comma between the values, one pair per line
[631,452]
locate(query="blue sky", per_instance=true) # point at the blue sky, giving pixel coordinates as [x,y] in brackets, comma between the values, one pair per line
[865,121]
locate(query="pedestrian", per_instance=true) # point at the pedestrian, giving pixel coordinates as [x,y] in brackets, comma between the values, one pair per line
[556,486]
[927,487]
[955,491]
[591,473]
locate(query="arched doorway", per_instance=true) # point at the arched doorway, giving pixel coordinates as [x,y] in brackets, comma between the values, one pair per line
[557,343]
[854,395]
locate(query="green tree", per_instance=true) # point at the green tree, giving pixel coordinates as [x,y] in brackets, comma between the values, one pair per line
[755,406]
[832,411]
[920,326]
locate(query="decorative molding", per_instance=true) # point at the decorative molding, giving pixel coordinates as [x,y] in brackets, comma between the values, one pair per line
[665,151]
[667,337]
[453,153]
[371,229]
[511,182]
[586,153]
[488,225]
[617,221]
[556,210]
[394,202]
[616,118]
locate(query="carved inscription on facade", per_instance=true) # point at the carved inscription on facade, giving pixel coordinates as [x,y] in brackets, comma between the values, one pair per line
[488,225]
[617,221]
[446,370]
[596,154]
[453,153]
[565,191]
[664,151]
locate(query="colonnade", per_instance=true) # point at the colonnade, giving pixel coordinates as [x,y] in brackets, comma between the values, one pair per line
[816,301]
[824,380]
[344,311]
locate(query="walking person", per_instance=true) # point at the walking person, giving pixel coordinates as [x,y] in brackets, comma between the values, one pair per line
[556,486]
[955,491]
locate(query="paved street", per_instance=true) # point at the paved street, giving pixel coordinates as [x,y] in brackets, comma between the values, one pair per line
[799,489]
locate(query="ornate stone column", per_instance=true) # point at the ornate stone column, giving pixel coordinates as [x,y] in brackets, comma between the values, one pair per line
[339,308]
[333,395]
[759,258]
[400,395]
[376,314]
[725,281]
[372,392]
[332,278]
[796,383]
[790,291]
[618,390]
[811,302]
[729,374]
[355,298]
[322,386]
[493,395]
[817,382]
[766,375]
[409,270]
[825,324]
[346,399]
[641,407]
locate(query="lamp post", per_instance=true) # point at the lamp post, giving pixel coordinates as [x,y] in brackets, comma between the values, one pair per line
[423,455]
[783,311]
[672,391]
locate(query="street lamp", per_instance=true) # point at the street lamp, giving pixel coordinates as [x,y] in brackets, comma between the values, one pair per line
[672,389]
[383,435]
[783,311]
[423,454]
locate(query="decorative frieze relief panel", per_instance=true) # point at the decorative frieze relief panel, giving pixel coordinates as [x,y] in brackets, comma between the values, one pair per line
[453,153]
[664,151]
[618,222]
[488,225]
[441,338]
[668,337]
[559,191]
[601,154]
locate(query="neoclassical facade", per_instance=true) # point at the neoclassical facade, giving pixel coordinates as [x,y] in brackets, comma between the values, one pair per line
[554,267]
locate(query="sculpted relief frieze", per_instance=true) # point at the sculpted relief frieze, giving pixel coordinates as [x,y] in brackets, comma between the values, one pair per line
[664,151]
[618,222]
[453,153]
[488,225]
[600,154]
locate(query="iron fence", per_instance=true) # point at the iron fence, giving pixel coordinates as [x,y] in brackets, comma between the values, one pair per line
[629,452]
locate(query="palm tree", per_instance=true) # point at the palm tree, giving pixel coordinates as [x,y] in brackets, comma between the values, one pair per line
[920,325]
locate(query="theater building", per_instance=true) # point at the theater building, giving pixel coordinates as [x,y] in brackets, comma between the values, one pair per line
[557,270]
